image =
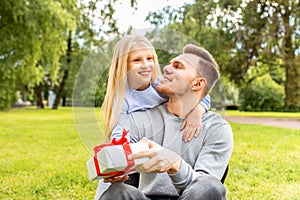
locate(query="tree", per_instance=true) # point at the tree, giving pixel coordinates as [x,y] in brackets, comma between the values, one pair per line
[32,39]
[246,34]
[38,40]
[65,72]
[91,36]
[266,32]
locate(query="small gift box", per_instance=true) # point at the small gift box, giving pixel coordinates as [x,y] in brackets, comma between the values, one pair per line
[112,159]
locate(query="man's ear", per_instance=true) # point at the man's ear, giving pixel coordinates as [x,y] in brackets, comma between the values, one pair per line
[199,83]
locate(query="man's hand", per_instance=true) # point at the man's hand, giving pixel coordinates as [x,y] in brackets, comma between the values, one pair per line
[160,159]
[114,179]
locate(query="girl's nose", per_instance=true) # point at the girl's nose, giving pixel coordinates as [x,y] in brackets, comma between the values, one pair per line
[146,63]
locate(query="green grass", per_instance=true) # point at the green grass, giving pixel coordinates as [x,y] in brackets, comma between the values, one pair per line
[295,115]
[265,163]
[42,158]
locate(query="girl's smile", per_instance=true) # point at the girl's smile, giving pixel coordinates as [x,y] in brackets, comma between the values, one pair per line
[140,66]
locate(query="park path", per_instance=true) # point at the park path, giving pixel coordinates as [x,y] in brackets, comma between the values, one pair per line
[277,122]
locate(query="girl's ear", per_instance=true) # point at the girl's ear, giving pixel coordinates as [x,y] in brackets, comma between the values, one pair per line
[199,84]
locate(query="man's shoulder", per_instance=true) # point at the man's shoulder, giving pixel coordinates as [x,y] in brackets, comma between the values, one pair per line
[216,126]
[213,114]
[214,118]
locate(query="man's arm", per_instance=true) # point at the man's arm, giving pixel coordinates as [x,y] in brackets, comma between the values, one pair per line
[216,151]
[213,158]
[160,159]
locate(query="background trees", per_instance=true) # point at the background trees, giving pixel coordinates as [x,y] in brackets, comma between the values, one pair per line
[32,39]
[250,39]
[43,44]
[267,38]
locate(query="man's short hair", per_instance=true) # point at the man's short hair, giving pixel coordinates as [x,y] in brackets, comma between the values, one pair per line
[208,68]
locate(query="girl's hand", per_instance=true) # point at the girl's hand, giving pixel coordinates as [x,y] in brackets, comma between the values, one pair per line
[192,123]
[114,179]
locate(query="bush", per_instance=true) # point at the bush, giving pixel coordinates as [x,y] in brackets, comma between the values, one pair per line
[263,94]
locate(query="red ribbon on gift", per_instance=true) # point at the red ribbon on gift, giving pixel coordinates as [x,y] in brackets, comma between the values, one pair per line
[122,141]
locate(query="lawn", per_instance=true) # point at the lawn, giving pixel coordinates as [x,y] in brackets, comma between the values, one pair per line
[294,115]
[42,157]
[265,163]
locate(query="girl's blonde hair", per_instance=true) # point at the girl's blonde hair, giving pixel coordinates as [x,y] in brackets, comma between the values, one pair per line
[117,79]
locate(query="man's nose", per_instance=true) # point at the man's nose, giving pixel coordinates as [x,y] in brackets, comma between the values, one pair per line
[167,69]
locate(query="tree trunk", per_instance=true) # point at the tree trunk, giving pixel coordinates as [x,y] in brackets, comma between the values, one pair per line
[292,84]
[60,89]
[64,100]
[65,75]
[292,71]
[39,97]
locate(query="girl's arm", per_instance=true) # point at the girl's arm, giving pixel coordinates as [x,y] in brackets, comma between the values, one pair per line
[192,123]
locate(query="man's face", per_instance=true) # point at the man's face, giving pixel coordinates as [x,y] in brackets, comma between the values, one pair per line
[178,75]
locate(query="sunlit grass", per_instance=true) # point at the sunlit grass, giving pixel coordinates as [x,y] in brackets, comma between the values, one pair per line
[265,163]
[295,115]
[42,157]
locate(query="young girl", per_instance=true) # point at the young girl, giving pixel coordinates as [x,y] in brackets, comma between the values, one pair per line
[132,81]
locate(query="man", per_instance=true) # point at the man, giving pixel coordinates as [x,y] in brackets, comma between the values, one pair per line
[176,169]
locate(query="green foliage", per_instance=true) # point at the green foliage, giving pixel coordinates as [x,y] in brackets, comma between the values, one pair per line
[34,37]
[32,40]
[43,158]
[232,92]
[164,57]
[262,94]
[242,35]
[7,83]
[266,32]
[90,81]
[101,88]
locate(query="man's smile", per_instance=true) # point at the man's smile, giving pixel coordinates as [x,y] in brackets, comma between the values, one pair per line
[166,79]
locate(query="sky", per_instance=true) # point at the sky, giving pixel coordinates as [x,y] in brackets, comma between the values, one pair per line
[127,16]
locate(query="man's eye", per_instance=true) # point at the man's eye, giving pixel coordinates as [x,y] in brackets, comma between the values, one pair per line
[150,58]
[177,66]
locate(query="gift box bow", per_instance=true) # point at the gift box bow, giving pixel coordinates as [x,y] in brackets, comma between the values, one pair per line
[125,144]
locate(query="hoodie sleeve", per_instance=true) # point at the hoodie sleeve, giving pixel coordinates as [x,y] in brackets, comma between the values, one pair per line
[212,159]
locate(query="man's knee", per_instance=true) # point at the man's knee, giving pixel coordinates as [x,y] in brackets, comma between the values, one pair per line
[205,187]
[113,189]
[121,191]
[216,189]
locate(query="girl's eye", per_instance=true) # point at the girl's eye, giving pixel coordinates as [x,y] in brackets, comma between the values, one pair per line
[136,60]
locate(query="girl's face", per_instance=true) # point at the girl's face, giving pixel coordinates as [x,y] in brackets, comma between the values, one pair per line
[139,68]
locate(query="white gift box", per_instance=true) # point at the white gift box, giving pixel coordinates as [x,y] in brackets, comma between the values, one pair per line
[112,160]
